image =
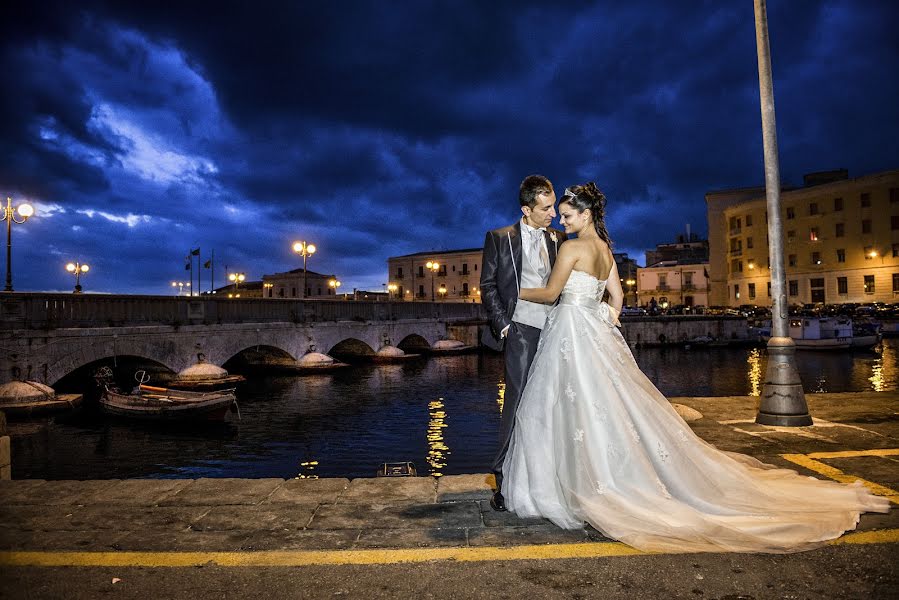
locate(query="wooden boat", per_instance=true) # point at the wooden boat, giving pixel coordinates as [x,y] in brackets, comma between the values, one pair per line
[165,404]
[819,333]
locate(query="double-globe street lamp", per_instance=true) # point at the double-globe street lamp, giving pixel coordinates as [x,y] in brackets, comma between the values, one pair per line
[181,285]
[391,290]
[433,266]
[334,283]
[236,279]
[305,250]
[9,215]
[77,268]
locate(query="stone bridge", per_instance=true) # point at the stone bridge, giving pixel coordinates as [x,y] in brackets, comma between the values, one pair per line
[45,337]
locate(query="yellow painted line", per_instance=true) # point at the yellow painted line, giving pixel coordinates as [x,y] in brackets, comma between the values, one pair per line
[837,475]
[313,557]
[856,453]
[302,558]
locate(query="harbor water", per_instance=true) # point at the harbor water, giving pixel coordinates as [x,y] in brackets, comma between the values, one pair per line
[442,413]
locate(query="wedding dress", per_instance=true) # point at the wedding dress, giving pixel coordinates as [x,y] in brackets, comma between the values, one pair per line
[596,442]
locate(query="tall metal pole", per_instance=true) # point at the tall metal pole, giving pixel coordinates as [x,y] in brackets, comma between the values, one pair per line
[8,245]
[783,401]
[304,274]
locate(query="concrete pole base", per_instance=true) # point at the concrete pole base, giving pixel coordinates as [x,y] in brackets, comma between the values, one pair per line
[783,401]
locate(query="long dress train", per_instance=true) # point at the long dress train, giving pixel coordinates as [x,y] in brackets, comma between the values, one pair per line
[595,441]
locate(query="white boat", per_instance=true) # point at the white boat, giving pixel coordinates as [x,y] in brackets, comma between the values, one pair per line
[819,333]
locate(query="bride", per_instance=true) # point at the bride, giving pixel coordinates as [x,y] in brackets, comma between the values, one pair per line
[595,441]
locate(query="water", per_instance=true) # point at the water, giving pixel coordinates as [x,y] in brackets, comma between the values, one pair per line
[441,413]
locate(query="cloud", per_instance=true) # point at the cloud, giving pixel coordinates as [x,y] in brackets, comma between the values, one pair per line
[140,130]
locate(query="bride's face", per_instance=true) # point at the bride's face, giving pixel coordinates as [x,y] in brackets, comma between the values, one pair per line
[572,220]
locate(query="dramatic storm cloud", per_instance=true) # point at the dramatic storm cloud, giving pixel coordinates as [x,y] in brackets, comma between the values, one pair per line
[371,129]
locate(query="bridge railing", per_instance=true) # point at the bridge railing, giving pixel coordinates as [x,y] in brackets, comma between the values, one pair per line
[51,311]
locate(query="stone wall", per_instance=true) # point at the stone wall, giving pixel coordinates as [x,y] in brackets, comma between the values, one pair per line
[5,456]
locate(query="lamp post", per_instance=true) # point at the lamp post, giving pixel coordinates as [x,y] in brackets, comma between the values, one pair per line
[630,287]
[334,283]
[783,401]
[181,285]
[267,289]
[9,215]
[77,268]
[236,278]
[391,290]
[442,291]
[305,250]
[432,266]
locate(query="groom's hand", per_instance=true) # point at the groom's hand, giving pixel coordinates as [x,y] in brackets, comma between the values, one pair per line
[504,332]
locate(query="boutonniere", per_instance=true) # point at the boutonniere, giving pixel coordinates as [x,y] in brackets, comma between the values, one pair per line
[552,236]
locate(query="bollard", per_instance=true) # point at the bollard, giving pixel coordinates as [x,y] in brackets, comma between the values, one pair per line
[5,456]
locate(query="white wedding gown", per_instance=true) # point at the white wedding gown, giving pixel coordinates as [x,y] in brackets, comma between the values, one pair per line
[595,442]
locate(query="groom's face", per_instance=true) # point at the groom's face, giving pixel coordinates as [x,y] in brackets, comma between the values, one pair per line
[543,212]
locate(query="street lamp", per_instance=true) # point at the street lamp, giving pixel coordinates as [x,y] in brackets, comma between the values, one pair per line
[267,287]
[9,215]
[236,278]
[432,266]
[391,290]
[783,400]
[76,268]
[442,291]
[630,286]
[181,285]
[334,283]
[305,250]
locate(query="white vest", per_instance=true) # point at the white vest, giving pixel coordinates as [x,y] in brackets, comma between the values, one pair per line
[530,313]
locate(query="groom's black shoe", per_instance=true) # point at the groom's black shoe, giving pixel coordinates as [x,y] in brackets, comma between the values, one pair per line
[498,503]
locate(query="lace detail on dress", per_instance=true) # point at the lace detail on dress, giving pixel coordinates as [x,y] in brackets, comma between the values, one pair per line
[569,391]
[585,284]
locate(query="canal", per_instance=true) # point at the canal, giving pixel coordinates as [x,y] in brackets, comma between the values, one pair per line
[441,413]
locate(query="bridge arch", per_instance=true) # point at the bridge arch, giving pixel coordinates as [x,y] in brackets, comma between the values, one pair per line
[413,343]
[351,347]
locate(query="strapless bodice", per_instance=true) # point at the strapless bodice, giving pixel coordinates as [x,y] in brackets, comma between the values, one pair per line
[584,285]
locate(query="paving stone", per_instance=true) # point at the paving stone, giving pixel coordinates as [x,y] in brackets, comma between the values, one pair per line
[391,490]
[83,541]
[182,541]
[451,488]
[307,491]
[262,517]
[412,538]
[493,518]
[137,518]
[223,491]
[18,491]
[145,492]
[417,516]
[880,470]
[51,493]
[532,534]
[341,539]
[39,518]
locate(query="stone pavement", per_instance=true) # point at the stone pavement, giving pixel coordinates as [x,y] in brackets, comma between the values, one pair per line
[855,436]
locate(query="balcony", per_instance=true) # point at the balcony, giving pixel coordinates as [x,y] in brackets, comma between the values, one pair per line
[737,252]
[735,231]
[663,287]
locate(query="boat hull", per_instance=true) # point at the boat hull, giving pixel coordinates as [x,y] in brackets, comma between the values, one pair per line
[176,406]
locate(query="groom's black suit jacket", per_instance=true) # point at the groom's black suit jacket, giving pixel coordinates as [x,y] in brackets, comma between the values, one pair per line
[499,288]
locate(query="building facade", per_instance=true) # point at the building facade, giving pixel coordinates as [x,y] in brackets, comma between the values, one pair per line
[674,283]
[627,273]
[456,279]
[687,249]
[841,241]
[290,285]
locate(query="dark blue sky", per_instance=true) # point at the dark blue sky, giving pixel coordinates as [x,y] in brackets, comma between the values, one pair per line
[375,129]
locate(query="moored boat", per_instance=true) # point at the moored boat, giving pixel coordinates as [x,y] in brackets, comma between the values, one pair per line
[819,333]
[163,404]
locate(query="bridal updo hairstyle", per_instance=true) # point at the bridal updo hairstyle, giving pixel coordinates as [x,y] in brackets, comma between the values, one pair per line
[585,196]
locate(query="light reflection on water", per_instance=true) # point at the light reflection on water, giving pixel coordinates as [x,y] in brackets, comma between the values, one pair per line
[347,423]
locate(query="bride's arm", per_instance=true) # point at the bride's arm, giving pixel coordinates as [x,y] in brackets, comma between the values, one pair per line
[565,262]
[616,294]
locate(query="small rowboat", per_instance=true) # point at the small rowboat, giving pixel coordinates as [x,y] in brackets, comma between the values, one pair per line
[165,404]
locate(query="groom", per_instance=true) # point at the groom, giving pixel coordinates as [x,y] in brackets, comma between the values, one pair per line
[520,255]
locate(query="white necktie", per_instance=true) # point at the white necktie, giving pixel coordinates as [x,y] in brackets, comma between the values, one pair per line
[540,255]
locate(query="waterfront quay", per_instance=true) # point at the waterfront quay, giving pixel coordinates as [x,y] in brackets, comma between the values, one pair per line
[437,536]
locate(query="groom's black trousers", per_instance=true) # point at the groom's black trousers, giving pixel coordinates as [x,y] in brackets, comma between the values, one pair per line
[521,346]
